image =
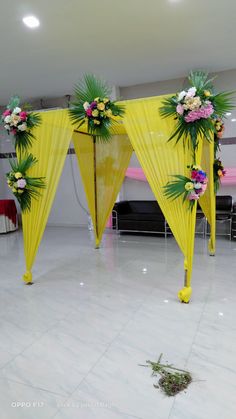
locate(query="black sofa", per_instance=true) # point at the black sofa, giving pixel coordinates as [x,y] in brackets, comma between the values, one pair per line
[145,216]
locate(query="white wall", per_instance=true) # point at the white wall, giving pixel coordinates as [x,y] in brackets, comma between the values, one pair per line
[66,209]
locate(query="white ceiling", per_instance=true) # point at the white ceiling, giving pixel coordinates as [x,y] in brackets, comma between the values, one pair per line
[124,41]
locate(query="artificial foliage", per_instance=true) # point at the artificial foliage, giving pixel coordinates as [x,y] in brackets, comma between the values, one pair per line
[195,109]
[190,188]
[19,121]
[172,380]
[219,172]
[93,107]
[24,187]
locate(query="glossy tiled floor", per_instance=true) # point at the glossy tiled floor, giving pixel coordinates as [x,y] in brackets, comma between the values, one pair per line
[70,344]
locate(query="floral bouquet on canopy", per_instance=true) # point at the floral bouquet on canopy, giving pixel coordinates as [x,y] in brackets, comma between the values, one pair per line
[94,108]
[191,188]
[195,109]
[219,130]
[23,186]
[18,121]
[219,172]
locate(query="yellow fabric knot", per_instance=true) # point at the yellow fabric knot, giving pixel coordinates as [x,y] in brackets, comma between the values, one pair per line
[185,294]
[27,277]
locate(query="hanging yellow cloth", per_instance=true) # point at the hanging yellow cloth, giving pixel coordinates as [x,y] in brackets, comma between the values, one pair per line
[208,200]
[50,148]
[160,160]
[102,166]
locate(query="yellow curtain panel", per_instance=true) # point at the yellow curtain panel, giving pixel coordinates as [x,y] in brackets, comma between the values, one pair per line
[102,167]
[50,148]
[207,201]
[160,160]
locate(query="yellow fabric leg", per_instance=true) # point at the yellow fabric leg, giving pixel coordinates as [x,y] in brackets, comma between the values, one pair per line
[50,148]
[160,159]
[111,161]
[207,201]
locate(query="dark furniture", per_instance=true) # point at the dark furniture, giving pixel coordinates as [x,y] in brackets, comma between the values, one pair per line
[234,222]
[147,217]
[136,216]
[224,214]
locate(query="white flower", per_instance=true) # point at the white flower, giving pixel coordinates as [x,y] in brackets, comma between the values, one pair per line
[7,119]
[197,185]
[22,127]
[16,110]
[181,95]
[15,119]
[191,92]
[7,127]
[86,106]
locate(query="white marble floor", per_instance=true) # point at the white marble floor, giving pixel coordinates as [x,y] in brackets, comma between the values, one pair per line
[71,344]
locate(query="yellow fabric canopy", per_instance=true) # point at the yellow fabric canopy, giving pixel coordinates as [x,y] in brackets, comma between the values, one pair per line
[50,148]
[102,167]
[160,160]
[207,201]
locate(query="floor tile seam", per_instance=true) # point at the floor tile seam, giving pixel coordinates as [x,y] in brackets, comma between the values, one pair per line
[34,387]
[194,339]
[31,344]
[108,347]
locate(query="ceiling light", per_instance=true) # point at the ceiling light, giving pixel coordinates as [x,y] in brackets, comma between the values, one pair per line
[31,21]
[233,120]
[228,113]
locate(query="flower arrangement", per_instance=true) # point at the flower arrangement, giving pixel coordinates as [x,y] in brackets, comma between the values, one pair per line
[192,188]
[23,186]
[195,109]
[93,107]
[219,172]
[219,127]
[18,121]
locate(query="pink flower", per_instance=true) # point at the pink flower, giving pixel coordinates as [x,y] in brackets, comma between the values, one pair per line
[191,92]
[7,112]
[180,109]
[193,196]
[23,115]
[21,183]
[14,131]
[89,112]
[204,186]
[203,112]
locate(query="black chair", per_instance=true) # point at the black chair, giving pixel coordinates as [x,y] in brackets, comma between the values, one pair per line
[224,213]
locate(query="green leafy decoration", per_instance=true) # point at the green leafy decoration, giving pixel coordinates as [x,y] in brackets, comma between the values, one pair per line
[24,139]
[172,380]
[87,90]
[30,191]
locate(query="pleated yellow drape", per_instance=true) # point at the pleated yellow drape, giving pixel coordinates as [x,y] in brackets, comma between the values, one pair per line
[50,148]
[102,167]
[160,160]
[207,201]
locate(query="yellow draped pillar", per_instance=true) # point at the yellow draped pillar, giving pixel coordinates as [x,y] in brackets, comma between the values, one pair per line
[50,148]
[208,200]
[160,160]
[102,166]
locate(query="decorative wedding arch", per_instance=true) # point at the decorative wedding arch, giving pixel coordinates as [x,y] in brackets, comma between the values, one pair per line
[103,167]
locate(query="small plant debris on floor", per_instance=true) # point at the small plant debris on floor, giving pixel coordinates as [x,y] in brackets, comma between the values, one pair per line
[173,380]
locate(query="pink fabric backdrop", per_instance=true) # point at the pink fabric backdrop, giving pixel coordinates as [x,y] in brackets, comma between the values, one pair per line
[137,173]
